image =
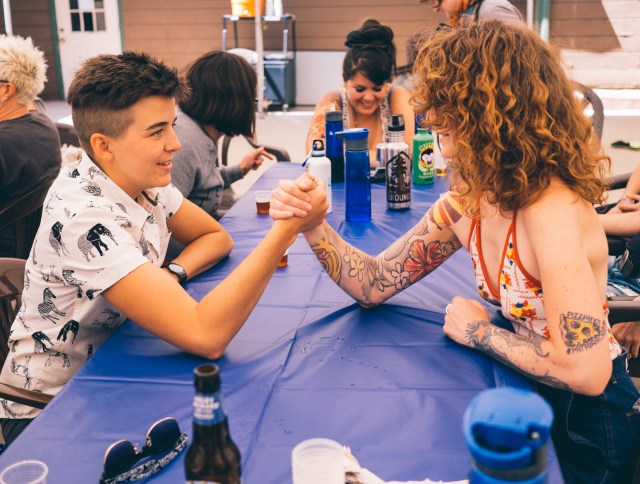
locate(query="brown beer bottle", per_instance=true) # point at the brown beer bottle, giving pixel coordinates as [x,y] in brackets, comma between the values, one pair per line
[212,457]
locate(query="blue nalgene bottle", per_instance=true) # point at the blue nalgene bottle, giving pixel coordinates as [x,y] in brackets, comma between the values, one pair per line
[507,431]
[334,144]
[357,183]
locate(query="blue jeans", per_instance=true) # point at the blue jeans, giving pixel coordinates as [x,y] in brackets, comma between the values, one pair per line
[618,284]
[596,438]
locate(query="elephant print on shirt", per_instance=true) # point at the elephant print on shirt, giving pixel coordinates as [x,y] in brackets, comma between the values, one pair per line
[41,341]
[71,325]
[92,239]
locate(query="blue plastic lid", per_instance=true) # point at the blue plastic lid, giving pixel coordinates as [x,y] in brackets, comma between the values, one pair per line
[354,134]
[505,427]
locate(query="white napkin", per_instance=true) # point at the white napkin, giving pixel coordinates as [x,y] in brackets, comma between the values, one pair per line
[354,474]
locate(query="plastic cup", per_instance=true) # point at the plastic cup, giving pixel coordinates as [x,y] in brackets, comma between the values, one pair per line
[285,259]
[263,199]
[25,472]
[317,461]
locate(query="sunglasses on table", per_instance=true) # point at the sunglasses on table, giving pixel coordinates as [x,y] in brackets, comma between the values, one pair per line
[164,436]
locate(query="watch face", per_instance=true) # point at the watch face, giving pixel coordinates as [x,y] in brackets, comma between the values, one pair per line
[178,270]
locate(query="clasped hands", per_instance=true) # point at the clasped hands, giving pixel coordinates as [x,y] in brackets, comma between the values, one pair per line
[304,198]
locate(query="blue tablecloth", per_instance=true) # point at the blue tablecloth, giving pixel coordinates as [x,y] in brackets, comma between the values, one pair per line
[309,362]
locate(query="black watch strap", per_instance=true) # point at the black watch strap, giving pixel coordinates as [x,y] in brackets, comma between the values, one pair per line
[178,270]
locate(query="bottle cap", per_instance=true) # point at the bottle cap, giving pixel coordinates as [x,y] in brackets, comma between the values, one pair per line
[396,123]
[207,378]
[333,116]
[423,131]
[318,148]
[506,429]
[356,138]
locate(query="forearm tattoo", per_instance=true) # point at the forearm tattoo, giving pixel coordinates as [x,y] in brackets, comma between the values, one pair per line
[329,257]
[490,339]
[580,331]
[406,261]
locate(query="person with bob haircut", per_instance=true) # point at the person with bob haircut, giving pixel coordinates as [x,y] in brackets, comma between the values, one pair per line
[30,152]
[104,233]
[221,101]
[525,176]
[367,99]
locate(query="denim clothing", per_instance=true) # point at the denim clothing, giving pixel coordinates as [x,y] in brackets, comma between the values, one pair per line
[596,438]
[618,284]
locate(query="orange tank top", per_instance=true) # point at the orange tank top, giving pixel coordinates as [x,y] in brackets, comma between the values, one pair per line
[519,294]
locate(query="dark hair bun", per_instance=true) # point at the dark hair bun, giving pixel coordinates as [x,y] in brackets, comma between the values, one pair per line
[371,34]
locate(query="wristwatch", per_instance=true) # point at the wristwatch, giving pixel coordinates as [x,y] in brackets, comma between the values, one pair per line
[178,270]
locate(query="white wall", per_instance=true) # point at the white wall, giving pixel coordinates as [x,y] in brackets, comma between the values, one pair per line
[316,73]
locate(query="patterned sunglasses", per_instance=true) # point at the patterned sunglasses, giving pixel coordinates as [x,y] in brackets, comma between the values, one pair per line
[162,436]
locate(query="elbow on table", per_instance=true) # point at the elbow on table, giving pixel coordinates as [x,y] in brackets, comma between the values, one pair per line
[227,244]
[211,350]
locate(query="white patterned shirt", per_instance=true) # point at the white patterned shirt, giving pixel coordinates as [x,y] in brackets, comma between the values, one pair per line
[92,234]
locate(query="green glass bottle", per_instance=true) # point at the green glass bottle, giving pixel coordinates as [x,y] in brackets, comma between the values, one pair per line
[423,157]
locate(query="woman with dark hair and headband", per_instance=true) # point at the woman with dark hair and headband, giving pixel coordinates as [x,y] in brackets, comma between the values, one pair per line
[367,99]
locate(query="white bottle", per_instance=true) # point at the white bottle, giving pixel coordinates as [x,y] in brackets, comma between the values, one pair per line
[320,167]
[277,8]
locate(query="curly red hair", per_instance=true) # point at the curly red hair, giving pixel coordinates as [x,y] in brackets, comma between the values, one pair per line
[504,94]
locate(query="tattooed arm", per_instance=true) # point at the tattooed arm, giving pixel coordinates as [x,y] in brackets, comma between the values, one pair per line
[562,241]
[372,280]
[328,102]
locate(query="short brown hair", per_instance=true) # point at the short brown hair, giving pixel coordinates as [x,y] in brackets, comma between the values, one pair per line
[505,95]
[222,93]
[106,86]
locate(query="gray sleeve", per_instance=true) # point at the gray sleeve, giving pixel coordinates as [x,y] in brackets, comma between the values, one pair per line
[499,10]
[231,174]
[183,172]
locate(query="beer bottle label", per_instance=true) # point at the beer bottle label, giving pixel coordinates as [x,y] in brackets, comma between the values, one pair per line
[207,408]
[399,178]
[423,163]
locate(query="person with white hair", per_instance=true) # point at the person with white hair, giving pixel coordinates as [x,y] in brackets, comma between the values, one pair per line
[29,140]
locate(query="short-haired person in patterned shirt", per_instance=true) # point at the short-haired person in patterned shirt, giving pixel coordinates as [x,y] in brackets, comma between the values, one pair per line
[525,176]
[106,224]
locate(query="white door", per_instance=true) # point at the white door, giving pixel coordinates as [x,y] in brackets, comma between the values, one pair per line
[86,28]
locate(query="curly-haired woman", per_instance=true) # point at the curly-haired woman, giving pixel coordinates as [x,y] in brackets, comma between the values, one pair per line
[367,99]
[525,177]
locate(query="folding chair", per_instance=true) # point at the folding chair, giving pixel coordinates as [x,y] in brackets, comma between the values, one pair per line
[24,214]
[11,285]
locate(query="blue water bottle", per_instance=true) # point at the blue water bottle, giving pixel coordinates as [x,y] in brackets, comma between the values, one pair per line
[357,183]
[334,145]
[507,430]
